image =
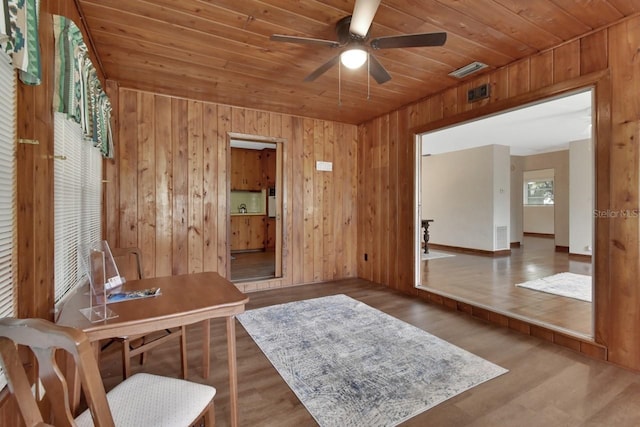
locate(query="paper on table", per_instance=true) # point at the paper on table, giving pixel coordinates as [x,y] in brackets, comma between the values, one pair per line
[130,295]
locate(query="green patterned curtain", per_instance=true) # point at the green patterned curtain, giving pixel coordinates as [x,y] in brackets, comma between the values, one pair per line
[5,23]
[19,37]
[77,91]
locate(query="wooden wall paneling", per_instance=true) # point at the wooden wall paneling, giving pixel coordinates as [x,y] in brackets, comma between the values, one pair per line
[238,120]
[295,150]
[405,254]
[308,200]
[341,187]
[180,141]
[318,196]
[414,115]
[26,158]
[602,180]
[283,184]
[449,103]
[394,177]
[163,251]
[365,211]
[209,187]
[519,77]
[436,110]
[566,61]
[111,190]
[594,55]
[376,244]
[541,69]
[195,193]
[330,209]
[146,174]
[624,313]
[223,127]
[350,201]
[384,209]
[128,178]
[499,86]
[263,124]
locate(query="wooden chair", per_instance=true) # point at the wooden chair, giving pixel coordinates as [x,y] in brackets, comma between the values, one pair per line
[141,400]
[129,263]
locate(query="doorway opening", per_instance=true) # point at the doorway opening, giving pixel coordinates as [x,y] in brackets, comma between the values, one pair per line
[255,214]
[472,182]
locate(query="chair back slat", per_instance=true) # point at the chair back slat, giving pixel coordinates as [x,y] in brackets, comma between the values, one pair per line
[44,338]
[18,383]
[129,262]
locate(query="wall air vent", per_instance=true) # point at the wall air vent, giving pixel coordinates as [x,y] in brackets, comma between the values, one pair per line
[468,69]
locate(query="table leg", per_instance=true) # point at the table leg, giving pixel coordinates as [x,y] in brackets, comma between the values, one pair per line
[206,348]
[233,374]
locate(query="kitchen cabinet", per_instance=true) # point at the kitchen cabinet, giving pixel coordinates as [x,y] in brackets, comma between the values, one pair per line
[269,167]
[246,169]
[270,243]
[247,232]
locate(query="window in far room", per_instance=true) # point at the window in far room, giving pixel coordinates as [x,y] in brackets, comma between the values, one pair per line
[538,192]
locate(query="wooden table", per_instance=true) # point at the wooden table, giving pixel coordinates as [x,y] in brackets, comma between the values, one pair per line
[185,299]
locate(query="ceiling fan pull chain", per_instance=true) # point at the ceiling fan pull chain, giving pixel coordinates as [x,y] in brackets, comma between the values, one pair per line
[339,84]
[368,76]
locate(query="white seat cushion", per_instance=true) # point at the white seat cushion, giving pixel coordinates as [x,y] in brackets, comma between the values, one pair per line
[151,400]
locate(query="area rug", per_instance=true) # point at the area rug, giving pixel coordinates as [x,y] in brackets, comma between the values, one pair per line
[577,286]
[353,365]
[434,255]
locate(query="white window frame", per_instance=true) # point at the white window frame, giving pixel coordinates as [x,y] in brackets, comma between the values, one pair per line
[8,266]
[77,202]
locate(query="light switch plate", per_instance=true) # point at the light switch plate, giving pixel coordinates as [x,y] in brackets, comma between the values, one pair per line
[324,166]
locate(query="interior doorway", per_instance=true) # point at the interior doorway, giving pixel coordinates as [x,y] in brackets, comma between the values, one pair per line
[255,208]
[481,268]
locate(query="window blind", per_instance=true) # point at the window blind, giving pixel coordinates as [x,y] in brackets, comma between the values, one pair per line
[7,190]
[77,201]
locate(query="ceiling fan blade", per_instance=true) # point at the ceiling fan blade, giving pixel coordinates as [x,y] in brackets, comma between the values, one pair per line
[362,17]
[409,40]
[322,69]
[303,40]
[377,71]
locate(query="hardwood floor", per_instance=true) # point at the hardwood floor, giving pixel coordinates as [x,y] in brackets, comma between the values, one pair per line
[490,282]
[253,265]
[546,384]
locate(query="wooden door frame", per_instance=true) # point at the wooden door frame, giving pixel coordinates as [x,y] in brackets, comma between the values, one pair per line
[600,84]
[279,193]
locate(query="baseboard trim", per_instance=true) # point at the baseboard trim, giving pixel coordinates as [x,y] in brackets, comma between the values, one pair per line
[515,244]
[580,257]
[545,235]
[564,249]
[471,251]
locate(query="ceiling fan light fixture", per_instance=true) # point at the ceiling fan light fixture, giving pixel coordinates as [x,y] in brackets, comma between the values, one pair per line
[353,58]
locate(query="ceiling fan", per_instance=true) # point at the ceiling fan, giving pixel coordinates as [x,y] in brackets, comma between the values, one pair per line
[352,36]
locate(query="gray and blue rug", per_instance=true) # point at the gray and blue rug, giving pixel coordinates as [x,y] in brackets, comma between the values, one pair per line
[353,365]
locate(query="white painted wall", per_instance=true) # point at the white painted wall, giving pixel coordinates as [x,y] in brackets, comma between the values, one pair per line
[517,166]
[559,162]
[467,193]
[501,196]
[581,206]
[538,219]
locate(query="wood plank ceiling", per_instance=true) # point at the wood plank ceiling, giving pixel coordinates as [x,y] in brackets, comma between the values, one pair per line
[220,50]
